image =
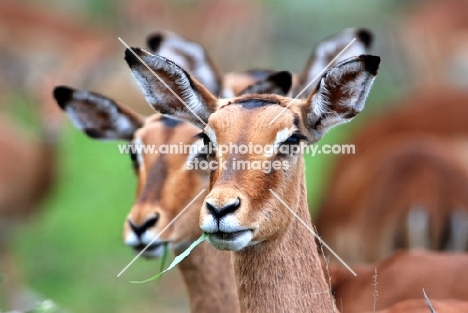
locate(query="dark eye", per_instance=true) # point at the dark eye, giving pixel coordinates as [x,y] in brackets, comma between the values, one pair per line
[292,140]
[291,145]
[134,158]
[208,152]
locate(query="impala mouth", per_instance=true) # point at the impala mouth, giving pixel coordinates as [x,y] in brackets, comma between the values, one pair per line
[233,241]
[155,250]
[228,236]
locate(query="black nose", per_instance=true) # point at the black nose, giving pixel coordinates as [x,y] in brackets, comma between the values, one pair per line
[219,212]
[140,229]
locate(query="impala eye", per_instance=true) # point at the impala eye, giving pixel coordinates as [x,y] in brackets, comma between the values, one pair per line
[134,158]
[293,139]
[208,145]
[291,145]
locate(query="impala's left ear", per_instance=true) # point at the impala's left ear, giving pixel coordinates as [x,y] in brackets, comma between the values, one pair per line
[169,89]
[340,94]
[331,47]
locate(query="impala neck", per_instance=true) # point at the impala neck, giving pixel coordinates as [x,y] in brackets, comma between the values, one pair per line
[284,274]
[209,277]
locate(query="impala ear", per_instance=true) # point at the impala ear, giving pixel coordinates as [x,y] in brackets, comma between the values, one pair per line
[329,48]
[169,89]
[189,55]
[98,116]
[340,94]
[278,83]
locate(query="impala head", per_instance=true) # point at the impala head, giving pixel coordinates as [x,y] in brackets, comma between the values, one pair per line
[165,187]
[240,209]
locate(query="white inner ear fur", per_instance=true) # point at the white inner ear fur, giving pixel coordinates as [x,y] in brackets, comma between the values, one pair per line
[354,93]
[357,89]
[212,135]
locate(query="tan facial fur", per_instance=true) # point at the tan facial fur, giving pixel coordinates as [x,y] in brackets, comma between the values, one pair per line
[165,187]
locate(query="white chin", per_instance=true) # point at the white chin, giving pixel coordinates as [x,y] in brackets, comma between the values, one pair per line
[238,242]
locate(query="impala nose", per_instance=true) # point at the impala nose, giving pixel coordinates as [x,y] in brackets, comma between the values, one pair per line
[140,229]
[219,211]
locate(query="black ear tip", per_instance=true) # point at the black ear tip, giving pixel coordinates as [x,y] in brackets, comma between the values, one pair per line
[283,79]
[371,63]
[93,133]
[365,36]
[63,95]
[154,41]
[130,56]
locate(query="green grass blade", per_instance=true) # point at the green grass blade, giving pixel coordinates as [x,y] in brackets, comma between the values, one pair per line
[176,261]
[164,256]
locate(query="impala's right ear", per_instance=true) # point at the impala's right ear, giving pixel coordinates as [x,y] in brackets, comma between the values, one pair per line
[189,55]
[169,89]
[97,116]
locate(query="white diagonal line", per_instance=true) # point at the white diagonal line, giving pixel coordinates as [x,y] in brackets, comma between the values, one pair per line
[313,80]
[162,81]
[164,229]
[312,231]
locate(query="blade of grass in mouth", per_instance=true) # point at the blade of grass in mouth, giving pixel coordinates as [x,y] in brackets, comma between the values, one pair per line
[176,261]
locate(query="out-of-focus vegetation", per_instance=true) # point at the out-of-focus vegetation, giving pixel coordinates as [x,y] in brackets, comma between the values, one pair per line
[72,251]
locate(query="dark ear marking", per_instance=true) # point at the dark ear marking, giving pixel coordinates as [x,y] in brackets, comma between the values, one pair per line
[63,95]
[154,41]
[365,36]
[283,80]
[93,133]
[371,63]
[130,57]
[279,83]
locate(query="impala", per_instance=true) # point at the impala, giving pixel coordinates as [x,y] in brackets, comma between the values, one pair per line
[164,188]
[275,259]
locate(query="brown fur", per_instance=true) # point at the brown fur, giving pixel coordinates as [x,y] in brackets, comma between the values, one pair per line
[433,34]
[411,156]
[401,277]
[280,259]
[208,290]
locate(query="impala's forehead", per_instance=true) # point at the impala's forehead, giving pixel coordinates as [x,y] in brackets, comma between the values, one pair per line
[160,129]
[161,135]
[251,121]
